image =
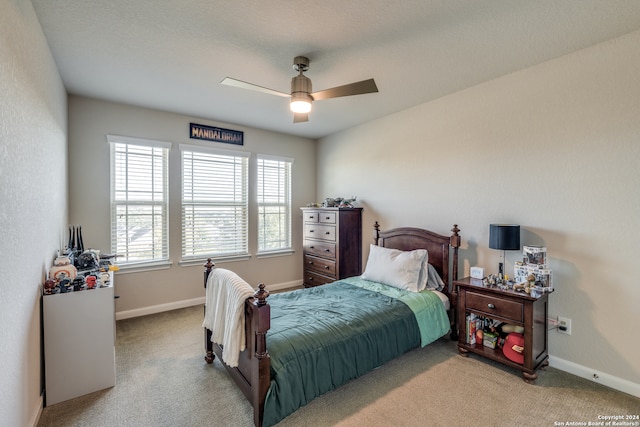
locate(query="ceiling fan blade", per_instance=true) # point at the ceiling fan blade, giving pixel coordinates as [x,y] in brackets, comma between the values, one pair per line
[358,88]
[244,85]
[300,117]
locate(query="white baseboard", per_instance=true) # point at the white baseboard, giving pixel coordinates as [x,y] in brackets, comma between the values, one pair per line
[286,285]
[143,311]
[605,379]
[35,419]
[153,309]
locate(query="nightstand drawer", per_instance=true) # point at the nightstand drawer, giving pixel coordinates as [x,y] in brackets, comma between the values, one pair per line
[325,232]
[327,250]
[327,217]
[314,279]
[507,309]
[321,265]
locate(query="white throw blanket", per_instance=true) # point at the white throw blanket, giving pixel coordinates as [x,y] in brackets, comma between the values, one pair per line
[224,313]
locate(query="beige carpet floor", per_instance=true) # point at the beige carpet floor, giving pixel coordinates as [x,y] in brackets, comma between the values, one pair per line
[163,380]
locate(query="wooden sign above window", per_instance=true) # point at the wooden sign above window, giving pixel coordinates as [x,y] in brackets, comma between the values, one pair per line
[209,133]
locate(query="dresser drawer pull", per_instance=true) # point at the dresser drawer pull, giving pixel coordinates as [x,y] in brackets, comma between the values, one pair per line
[327,267]
[327,217]
[327,250]
[310,262]
[491,306]
[311,231]
[327,232]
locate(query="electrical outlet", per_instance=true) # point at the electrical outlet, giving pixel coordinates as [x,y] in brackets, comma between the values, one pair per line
[564,325]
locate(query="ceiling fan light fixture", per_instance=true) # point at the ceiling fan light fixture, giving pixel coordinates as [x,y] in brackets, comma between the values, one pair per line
[300,103]
[302,95]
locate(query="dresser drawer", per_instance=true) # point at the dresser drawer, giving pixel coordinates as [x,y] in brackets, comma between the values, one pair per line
[324,232]
[321,265]
[311,216]
[327,217]
[314,279]
[327,250]
[507,309]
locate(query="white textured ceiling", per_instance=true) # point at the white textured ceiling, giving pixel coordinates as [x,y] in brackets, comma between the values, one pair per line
[172,54]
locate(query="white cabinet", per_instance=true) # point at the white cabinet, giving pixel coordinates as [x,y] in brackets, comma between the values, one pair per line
[79,343]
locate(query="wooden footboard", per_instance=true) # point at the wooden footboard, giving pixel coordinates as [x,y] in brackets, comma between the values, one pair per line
[253,374]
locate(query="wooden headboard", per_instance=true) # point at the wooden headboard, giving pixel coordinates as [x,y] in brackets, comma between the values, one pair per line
[438,246]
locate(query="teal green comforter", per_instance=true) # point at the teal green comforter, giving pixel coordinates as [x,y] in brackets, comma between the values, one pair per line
[322,337]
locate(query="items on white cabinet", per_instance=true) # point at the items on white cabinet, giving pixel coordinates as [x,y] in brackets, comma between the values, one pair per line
[60,282]
[78,269]
[62,269]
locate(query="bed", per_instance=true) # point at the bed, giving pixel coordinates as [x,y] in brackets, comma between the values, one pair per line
[303,343]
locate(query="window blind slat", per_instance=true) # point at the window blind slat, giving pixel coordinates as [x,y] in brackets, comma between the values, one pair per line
[214,204]
[139,200]
[274,203]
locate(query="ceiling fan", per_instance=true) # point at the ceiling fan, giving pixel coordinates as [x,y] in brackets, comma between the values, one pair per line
[301,93]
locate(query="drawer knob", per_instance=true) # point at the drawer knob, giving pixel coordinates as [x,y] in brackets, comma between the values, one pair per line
[327,232]
[491,306]
[327,250]
[311,231]
[327,217]
[327,267]
[311,247]
[310,262]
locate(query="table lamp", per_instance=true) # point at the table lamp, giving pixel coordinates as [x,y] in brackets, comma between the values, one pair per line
[505,237]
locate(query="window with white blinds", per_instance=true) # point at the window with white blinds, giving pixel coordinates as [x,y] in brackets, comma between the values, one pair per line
[214,203]
[274,203]
[139,200]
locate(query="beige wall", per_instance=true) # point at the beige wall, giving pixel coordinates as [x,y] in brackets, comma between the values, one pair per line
[554,148]
[33,206]
[91,120]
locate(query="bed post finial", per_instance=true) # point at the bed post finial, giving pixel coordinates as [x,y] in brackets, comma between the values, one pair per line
[455,237]
[261,295]
[207,269]
[454,241]
[376,232]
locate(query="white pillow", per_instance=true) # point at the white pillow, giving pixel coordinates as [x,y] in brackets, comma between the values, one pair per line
[401,269]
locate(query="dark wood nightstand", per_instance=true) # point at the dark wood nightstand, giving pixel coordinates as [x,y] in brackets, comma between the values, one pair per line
[511,307]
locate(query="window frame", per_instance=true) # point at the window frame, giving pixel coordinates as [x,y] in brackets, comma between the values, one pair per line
[191,257]
[163,261]
[284,192]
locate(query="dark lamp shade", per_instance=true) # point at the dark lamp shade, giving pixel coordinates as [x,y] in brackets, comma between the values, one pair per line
[504,236]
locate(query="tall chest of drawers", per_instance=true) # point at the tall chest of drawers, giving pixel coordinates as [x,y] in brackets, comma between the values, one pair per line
[332,244]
